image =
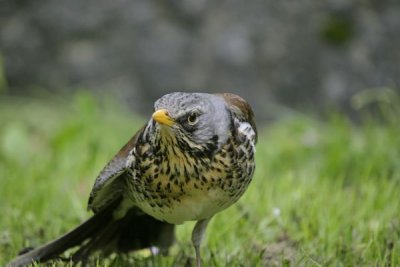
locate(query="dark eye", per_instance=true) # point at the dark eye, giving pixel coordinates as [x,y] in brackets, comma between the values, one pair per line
[193,118]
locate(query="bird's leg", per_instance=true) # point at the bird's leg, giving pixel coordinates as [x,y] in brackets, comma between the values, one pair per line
[197,236]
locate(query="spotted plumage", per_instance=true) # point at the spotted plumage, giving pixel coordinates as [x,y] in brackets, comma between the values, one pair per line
[193,159]
[182,180]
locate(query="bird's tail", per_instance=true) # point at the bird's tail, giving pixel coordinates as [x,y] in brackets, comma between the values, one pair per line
[103,233]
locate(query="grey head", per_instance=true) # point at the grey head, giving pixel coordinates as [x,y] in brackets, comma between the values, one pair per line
[197,119]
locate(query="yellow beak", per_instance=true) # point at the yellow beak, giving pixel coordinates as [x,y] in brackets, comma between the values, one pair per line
[161,116]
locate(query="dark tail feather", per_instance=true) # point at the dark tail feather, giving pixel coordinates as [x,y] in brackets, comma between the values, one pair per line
[103,233]
[134,231]
[71,239]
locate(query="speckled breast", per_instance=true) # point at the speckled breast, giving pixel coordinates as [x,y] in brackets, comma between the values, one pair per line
[176,186]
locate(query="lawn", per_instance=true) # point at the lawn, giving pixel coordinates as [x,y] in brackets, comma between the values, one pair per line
[326,191]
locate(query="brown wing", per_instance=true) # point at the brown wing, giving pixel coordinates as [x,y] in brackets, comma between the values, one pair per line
[109,183]
[242,109]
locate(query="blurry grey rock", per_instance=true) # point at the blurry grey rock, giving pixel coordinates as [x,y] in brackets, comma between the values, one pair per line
[296,53]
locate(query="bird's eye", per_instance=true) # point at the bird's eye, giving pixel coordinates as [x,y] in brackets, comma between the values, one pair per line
[193,118]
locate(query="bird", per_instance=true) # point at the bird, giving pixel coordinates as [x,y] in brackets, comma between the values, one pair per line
[193,158]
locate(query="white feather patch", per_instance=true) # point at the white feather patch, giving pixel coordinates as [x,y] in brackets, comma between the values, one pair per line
[246,129]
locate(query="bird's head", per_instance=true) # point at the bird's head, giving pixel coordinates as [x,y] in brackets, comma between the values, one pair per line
[195,121]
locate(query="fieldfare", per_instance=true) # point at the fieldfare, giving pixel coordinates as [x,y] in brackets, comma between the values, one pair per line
[193,159]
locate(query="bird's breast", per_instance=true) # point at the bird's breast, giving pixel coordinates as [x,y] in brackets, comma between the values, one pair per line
[176,187]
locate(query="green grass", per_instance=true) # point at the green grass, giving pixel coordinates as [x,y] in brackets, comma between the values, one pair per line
[325,193]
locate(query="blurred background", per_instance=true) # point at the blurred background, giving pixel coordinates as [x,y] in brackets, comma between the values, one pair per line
[307,55]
